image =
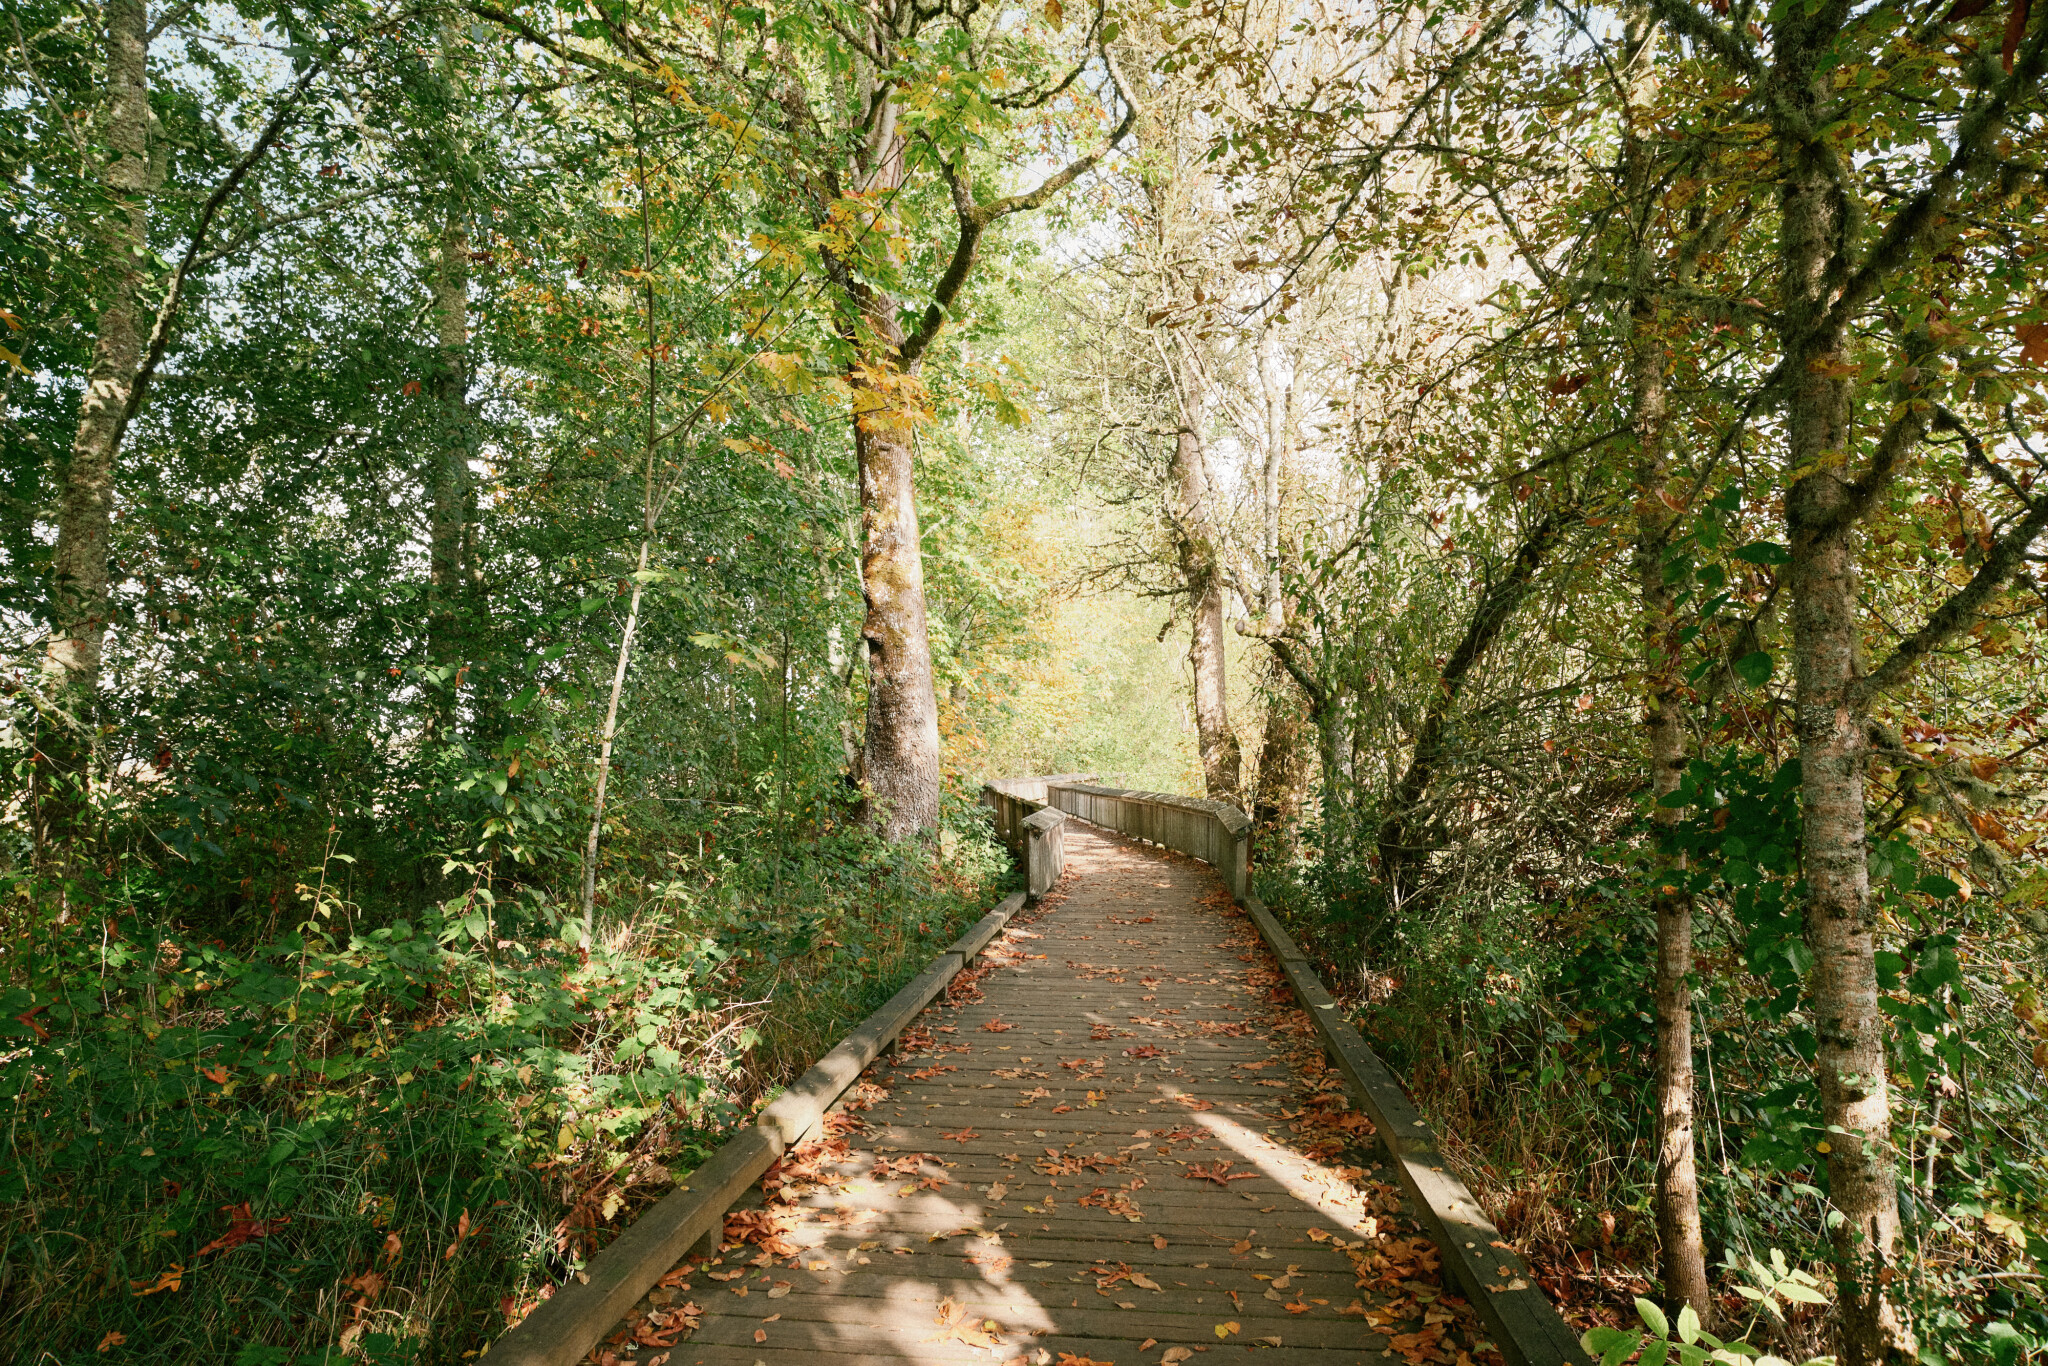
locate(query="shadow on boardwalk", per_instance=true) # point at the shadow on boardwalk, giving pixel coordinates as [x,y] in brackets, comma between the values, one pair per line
[1114,1142]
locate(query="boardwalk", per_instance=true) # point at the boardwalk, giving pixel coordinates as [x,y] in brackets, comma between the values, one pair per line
[1114,1142]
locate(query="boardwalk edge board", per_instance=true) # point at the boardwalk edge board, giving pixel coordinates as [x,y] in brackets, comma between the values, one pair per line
[562,1328]
[1522,1321]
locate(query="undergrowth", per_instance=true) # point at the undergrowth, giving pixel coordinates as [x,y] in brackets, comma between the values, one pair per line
[381,1135]
[1521,1022]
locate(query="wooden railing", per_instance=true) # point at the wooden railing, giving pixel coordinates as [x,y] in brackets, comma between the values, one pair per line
[1032,828]
[1215,832]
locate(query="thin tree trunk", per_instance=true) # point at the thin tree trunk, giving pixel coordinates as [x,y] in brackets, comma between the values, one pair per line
[651,504]
[1278,392]
[1680,1237]
[1222,760]
[79,588]
[1849,1059]
[450,500]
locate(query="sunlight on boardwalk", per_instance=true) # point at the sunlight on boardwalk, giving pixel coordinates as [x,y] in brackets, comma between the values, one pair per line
[1115,1142]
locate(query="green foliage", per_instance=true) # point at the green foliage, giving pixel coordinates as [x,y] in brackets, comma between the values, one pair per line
[1692,1345]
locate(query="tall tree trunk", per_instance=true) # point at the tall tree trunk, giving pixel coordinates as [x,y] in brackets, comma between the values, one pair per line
[1222,760]
[1850,1056]
[1679,1233]
[79,589]
[451,500]
[1277,389]
[1680,1238]
[900,754]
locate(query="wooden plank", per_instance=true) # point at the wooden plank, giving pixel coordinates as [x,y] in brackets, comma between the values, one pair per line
[865,1270]
[563,1327]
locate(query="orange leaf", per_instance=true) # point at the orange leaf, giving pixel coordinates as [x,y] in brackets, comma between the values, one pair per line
[217,1075]
[111,1341]
[2033,338]
[165,1281]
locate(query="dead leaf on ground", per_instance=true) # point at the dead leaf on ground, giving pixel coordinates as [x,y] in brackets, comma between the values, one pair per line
[165,1281]
[958,1324]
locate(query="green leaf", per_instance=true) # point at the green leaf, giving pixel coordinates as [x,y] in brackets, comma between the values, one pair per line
[1615,1345]
[1688,1324]
[1755,669]
[1653,1317]
[1763,552]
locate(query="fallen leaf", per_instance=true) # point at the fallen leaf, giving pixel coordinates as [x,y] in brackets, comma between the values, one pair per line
[1144,1282]
[998,1191]
[760,1335]
[111,1341]
[1224,1330]
[1271,1342]
[1158,1242]
[1069,1359]
[1240,1247]
[961,1136]
[242,1228]
[957,1324]
[997,1027]
[1176,1354]
[1148,1344]
[780,1289]
[165,1281]
[1219,1172]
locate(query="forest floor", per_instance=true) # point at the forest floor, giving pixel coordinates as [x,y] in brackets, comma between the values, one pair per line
[1118,1105]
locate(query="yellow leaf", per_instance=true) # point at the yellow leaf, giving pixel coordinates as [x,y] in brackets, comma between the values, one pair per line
[2006,1227]
[1224,1330]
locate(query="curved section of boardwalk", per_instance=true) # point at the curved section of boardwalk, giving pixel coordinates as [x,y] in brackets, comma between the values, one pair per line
[1114,1142]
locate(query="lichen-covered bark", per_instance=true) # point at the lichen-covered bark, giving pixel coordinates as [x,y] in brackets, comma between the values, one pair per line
[1679,1235]
[1681,1240]
[79,589]
[900,756]
[1195,543]
[1849,1061]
